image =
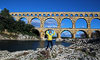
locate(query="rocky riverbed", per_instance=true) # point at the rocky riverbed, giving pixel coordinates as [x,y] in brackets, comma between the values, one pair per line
[17,37]
[81,50]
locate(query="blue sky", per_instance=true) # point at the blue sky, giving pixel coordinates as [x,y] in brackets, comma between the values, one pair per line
[54,6]
[50,5]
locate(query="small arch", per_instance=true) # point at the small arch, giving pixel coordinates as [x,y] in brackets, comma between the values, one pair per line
[48,14]
[15,14]
[71,15]
[66,23]
[12,14]
[96,15]
[52,14]
[81,23]
[95,34]
[86,15]
[19,14]
[35,14]
[76,15]
[81,15]
[66,14]
[81,34]
[44,15]
[39,14]
[95,23]
[36,22]
[91,15]
[61,15]
[23,14]
[27,14]
[57,14]
[50,23]
[24,19]
[31,14]
[66,34]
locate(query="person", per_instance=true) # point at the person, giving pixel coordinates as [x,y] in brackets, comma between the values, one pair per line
[49,40]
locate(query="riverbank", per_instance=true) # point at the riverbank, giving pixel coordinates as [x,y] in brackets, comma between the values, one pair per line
[82,50]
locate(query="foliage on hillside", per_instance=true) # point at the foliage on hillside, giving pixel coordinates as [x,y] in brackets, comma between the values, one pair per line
[8,23]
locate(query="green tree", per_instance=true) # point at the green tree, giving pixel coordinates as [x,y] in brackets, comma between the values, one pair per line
[7,22]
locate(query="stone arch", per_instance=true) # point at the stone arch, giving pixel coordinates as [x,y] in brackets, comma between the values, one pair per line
[91,15]
[95,34]
[57,14]
[66,23]
[66,14]
[61,14]
[51,23]
[66,34]
[86,15]
[19,14]
[96,15]
[81,34]
[16,14]
[36,32]
[71,15]
[36,22]
[95,23]
[81,15]
[76,15]
[81,24]
[24,19]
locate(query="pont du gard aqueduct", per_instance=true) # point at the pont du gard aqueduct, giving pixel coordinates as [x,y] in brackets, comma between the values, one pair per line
[59,16]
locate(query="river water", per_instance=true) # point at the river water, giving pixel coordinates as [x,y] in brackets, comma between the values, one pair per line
[15,45]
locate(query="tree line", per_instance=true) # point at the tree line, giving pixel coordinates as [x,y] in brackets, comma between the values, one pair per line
[8,23]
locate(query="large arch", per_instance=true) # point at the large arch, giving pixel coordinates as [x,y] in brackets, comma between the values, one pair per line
[50,23]
[95,23]
[24,19]
[95,34]
[66,23]
[66,34]
[55,36]
[81,34]
[81,23]
[36,32]
[36,22]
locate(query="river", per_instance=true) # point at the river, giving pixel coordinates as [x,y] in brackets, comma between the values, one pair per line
[16,45]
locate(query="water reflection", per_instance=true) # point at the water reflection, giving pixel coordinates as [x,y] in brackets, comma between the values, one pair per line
[15,45]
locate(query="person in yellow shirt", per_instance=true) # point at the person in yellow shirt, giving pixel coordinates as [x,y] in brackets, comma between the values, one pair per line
[49,34]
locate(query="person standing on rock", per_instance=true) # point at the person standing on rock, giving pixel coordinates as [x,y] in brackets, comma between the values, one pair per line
[49,33]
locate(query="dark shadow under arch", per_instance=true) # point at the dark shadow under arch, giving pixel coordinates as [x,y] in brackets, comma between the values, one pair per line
[81,34]
[66,34]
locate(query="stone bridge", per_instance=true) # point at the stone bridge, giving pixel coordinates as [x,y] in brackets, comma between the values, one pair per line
[59,16]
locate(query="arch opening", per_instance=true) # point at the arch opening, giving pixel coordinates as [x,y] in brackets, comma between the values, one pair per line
[66,34]
[66,23]
[81,34]
[95,34]
[36,22]
[50,23]
[81,23]
[24,19]
[95,24]
[36,32]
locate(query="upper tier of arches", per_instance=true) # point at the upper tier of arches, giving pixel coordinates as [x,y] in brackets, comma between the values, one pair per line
[61,14]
